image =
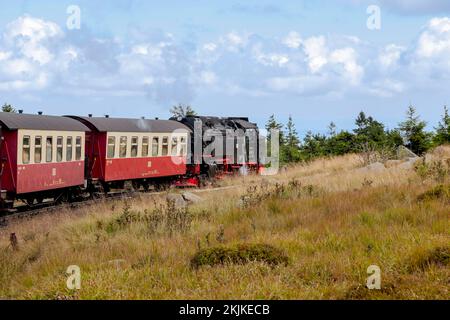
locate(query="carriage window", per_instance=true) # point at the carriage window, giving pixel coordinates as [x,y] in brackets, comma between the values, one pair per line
[59,149]
[123,147]
[78,149]
[26,150]
[174,146]
[69,149]
[183,147]
[155,147]
[111,147]
[145,146]
[165,146]
[37,149]
[49,150]
[134,147]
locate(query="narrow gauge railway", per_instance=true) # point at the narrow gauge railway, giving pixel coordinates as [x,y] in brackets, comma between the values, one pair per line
[25,212]
[54,161]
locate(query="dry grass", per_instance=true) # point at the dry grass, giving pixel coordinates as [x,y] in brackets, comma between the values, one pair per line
[330,219]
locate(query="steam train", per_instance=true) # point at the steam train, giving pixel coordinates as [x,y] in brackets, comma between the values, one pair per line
[65,158]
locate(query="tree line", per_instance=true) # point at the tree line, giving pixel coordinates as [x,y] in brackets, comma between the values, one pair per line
[368,135]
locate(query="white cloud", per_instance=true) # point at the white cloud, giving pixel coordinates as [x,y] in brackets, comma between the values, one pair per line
[5,55]
[316,52]
[347,58]
[36,55]
[30,35]
[32,29]
[435,39]
[234,41]
[269,59]
[386,88]
[210,47]
[293,40]
[208,77]
[390,56]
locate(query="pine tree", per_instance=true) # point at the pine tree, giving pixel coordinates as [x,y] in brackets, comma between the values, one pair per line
[361,122]
[272,124]
[182,111]
[332,129]
[369,133]
[314,145]
[291,148]
[292,139]
[413,132]
[443,130]
[8,108]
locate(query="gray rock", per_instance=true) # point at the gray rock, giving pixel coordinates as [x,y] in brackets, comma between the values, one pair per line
[393,163]
[193,198]
[377,166]
[408,164]
[374,167]
[404,153]
[177,199]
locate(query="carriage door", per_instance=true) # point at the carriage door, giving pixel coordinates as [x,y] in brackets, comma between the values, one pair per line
[88,145]
[2,161]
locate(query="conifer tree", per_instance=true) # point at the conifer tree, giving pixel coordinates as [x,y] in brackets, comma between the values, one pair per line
[413,132]
[8,108]
[443,130]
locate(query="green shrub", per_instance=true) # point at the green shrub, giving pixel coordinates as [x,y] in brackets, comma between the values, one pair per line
[420,261]
[439,192]
[437,170]
[239,254]
[163,217]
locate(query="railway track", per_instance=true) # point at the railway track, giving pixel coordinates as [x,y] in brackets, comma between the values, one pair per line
[25,212]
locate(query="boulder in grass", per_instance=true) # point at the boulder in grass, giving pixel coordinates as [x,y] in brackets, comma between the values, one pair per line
[409,164]
[404,153]
[177,200]
[191,197]
[374,167]
[393,163]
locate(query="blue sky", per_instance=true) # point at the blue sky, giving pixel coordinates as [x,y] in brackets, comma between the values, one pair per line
[315,60]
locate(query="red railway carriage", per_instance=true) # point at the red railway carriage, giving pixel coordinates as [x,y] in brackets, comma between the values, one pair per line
[139,151]
[41,157]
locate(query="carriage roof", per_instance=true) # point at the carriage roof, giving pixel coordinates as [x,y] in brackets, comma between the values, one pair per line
[16,121]
[131,125]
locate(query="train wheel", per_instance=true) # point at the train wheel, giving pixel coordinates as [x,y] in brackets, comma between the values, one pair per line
[163,186]
[129,186]
[136,185]
[30,201]
[63,198]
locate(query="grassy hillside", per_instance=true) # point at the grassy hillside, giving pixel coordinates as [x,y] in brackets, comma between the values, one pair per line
[310,233]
